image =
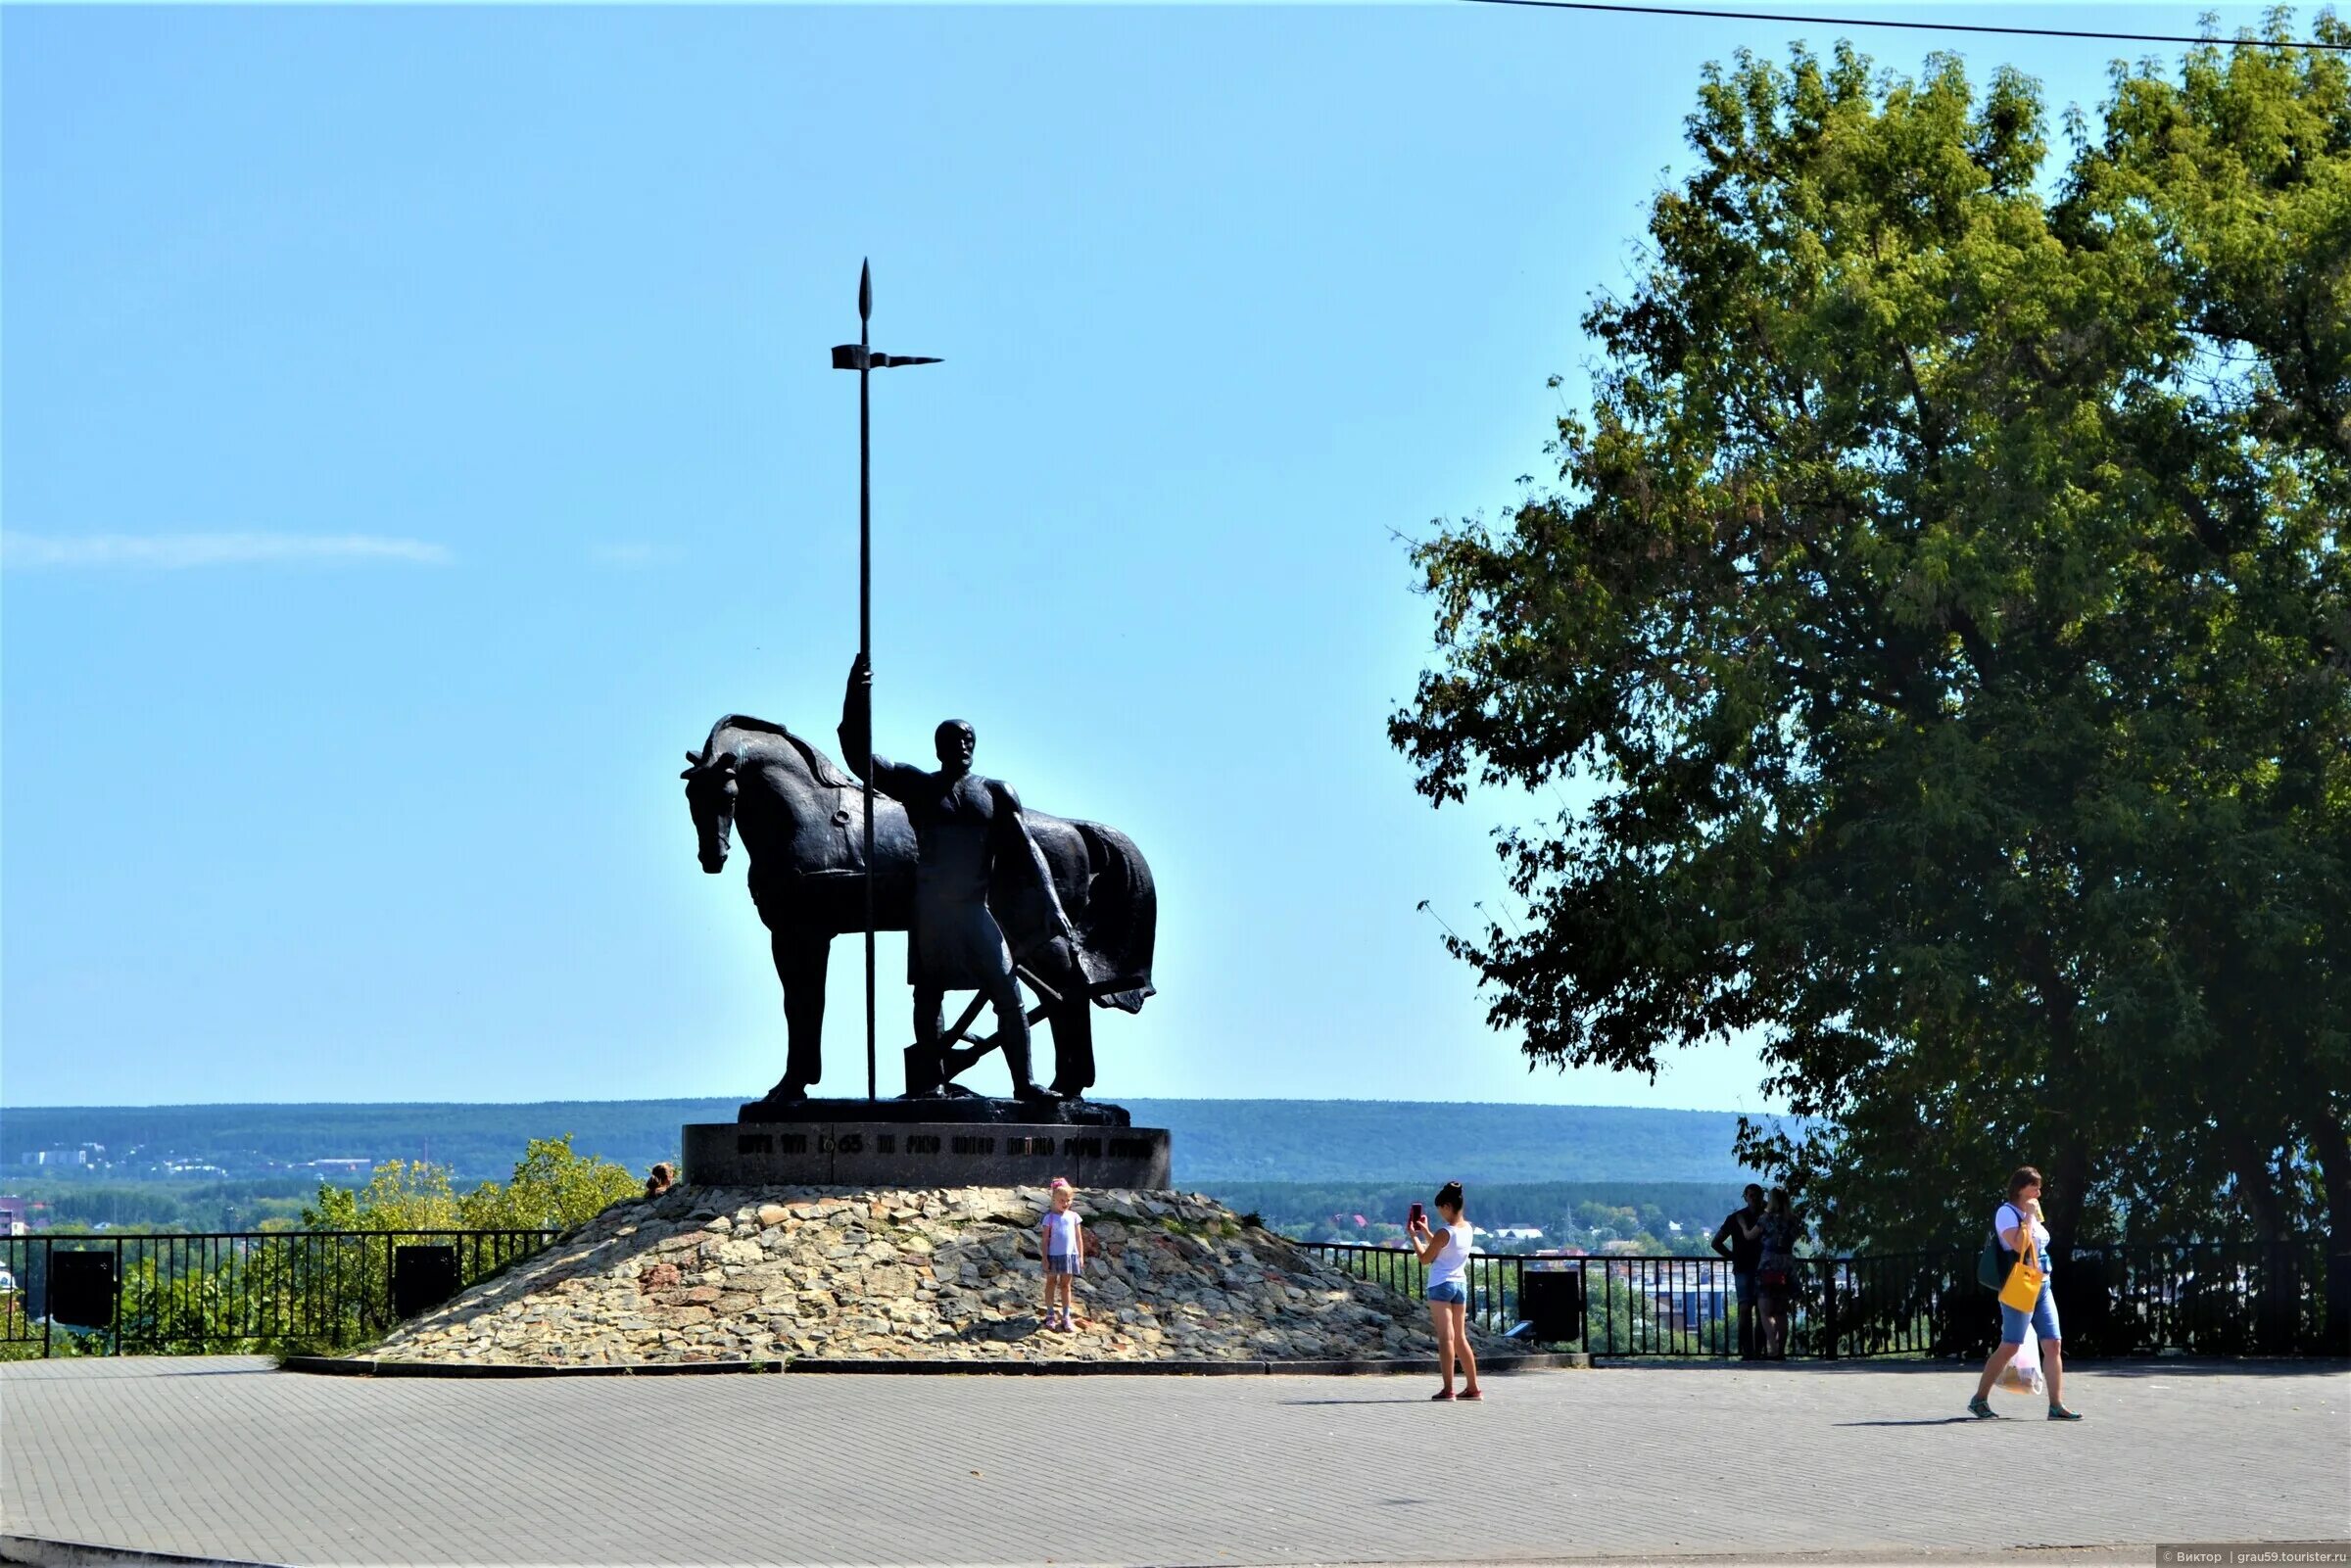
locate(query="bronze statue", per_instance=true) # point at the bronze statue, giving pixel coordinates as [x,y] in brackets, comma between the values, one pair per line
[1077,917]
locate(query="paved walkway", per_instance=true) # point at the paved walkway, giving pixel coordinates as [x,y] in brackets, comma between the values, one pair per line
[227,1458]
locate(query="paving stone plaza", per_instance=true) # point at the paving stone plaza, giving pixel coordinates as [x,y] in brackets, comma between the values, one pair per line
[226,1459]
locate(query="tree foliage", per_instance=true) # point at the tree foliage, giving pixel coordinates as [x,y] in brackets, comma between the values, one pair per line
[1945,599]
[554,1188]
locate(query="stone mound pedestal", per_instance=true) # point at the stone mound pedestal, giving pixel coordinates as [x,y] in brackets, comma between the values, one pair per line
[827,1274]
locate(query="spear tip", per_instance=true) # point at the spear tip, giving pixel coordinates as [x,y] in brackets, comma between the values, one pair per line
[865,290]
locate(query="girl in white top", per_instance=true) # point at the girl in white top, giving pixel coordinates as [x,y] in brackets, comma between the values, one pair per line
[1062,1240]
[2018,1224]
[1446,1253]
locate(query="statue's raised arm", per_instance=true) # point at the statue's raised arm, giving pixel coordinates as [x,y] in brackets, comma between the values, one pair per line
[857,716]
[857,733]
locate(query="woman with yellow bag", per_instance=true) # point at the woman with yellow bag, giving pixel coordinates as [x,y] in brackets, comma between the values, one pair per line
[2025,1299]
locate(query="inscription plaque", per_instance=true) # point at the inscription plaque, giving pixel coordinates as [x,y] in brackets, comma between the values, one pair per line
[847,1154]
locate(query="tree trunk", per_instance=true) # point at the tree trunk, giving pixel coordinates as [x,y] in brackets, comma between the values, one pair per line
[2332,1146]
[2068,1163]
[2068,1177]
[2256,1188]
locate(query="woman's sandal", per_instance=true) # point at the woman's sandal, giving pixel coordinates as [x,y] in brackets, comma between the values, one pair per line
[2058,1413]
[1442,1394]
[1472,1393]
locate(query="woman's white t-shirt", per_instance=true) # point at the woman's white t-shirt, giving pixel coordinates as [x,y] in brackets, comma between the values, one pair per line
[2008,1217]
[1454,1258]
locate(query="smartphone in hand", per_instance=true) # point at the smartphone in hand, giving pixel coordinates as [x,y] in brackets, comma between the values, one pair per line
[1417,1215]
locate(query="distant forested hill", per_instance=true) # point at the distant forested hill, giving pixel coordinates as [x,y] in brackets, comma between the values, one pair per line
[479,1141]
[1217,1141]
[1416,1141]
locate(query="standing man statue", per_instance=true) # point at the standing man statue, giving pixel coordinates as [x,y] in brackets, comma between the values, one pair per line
[963,824]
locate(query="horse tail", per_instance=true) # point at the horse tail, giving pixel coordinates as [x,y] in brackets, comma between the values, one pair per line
[1121,919]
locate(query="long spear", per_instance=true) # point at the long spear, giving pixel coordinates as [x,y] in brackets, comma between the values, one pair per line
[860,357]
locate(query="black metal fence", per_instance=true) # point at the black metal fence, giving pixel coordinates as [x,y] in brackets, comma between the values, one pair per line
[2249,1298]
[115,1293]
[307,1289]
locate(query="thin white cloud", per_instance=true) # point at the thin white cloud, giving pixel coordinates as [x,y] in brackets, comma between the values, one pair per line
[627,555]
[177,551]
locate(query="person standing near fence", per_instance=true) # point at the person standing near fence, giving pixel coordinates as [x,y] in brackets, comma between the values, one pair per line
[1445,1253]
[1775,1272]
[1746,1255]
[2018,1224]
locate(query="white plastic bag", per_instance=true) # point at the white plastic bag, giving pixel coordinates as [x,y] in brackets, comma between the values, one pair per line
[2023,1375]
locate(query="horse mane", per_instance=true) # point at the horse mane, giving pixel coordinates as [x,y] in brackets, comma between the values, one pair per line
[823,768]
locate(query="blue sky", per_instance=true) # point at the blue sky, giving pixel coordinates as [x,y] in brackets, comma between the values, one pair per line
[418,430]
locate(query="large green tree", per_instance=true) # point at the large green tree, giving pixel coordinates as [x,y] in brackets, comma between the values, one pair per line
[1944,601]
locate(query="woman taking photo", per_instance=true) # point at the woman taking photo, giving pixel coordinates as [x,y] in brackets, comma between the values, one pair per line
[2018,1224]
[1446,1254]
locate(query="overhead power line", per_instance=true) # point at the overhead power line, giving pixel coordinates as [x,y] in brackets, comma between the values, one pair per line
[1915,27]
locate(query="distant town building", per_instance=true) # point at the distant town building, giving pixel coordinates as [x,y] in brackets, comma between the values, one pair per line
[1683,1302]
[1517,1233]
[343,1167]
[1557,1257]
[86,1154]
[15,1217]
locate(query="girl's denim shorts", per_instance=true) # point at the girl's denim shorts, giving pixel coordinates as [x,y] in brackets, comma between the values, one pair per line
[2043,1316]
[1453,1290]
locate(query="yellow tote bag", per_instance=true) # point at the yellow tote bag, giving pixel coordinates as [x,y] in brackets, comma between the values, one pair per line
[2023,1290]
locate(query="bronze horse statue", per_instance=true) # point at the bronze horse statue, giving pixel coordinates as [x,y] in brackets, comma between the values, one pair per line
[802,818]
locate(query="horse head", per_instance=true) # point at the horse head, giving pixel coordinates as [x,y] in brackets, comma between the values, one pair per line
[786,775]
[711,791]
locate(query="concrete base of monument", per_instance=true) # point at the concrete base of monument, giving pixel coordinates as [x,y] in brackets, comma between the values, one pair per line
[838,1278]
[857,1153]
